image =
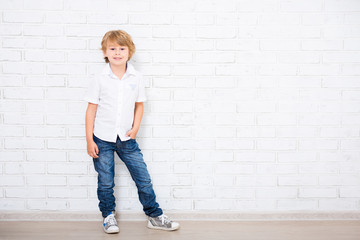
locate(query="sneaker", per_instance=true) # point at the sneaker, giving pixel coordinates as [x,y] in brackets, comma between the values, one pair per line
[110,224]
[163,223]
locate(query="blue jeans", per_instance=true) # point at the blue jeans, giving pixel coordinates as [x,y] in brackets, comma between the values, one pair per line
[130,153]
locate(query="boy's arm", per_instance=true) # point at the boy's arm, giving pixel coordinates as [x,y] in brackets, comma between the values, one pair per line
[92,148]
[138,113]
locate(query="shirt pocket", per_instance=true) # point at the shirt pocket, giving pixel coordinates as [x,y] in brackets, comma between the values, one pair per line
[131,90]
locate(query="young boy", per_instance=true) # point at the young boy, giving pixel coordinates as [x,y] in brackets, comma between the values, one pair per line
[115,107]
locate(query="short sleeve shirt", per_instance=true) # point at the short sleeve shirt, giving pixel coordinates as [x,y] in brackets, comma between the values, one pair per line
[116,101]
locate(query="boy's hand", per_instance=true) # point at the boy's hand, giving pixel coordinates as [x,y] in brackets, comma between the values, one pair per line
[132,134]
[92,149]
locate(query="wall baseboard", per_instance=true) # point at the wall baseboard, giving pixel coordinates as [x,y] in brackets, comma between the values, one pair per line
[181,216]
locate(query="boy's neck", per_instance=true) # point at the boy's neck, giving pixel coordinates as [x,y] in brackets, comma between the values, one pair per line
[118,70]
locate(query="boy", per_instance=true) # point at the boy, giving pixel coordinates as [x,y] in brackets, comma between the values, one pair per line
[115,107]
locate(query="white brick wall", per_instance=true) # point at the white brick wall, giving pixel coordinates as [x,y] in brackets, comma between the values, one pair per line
[253,105]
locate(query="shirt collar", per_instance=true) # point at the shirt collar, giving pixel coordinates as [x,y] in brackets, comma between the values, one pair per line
[130,70]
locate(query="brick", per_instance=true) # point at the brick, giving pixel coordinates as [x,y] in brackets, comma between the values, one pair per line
[215,57]
[234,168]
[234,144]
[65,144]
[217,32]
[217,132]
[23,68]
[172,132]
[14,156]
[20,17]
[319,118]
[24,143]
[346,81]
[173,82]
[108,18]
[193,45]
[317,192]
[68,169]
[319,167]
[11,131]
[295,6]
[276,70]
[65,17]
[43,30]
[25,193]
[223,180]
[280,45]
[194,70]
[347,5]
[299,57]
[23,93]
[12,180]
[300,204]
[72,193]
[255,57]
[65,69]
[44,81]
[43,56]
[16,4]
[65,43]
[65,93]
[235,193]
[275,169]
[208,204]
[25,168]
[276,119]
[11,81]
[12,204]
[212,156]
[350,69]
[352,192]
[277,193]
[11,29]
[341,204]
[46,205]
[322,44]
[194,144]
[256,181]
[341,57]
[254,157]
[152,45]
[172,57]
[193,19]
[339,180]
[297,181]
[10,55]
[254,6]
[351,18]
[21,119]
[146,19]
[318,144]
[277,19]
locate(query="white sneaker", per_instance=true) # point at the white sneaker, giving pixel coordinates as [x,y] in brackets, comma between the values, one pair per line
[163,223]
[110,224]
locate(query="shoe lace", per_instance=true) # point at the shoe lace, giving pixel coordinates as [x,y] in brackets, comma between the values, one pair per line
[111,220]
[164,219]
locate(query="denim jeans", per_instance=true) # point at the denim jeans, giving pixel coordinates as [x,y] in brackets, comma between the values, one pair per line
[130,153]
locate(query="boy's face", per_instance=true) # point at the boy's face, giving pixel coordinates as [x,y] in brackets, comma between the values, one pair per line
[117,55]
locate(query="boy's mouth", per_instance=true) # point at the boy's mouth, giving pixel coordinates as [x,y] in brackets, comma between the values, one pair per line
[117,58]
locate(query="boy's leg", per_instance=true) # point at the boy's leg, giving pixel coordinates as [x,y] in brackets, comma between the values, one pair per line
[130,153]
[104,166]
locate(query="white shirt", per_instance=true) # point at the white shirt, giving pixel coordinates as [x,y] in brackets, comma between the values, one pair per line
[116,101]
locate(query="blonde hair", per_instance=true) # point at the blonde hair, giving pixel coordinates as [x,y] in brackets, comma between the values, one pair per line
[120,37]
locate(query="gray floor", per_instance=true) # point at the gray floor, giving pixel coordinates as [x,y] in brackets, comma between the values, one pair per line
[190,230]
